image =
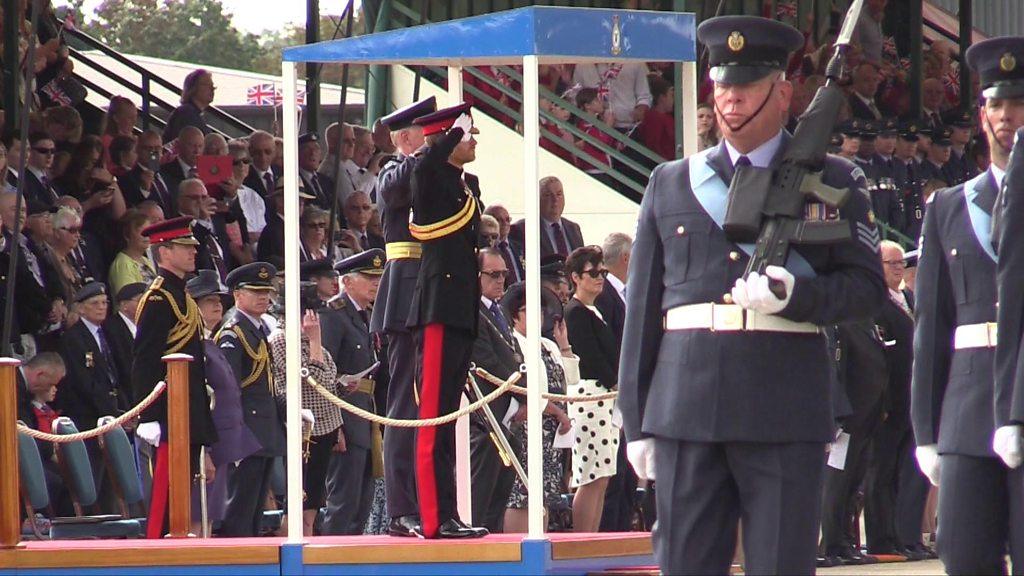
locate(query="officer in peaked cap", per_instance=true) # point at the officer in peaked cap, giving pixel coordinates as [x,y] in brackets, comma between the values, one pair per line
[961,125]
[935,165]
[321,273]
[707,409]
[849,138]
[905,170]
[243,340]
[959,446]
[391,313]
[346,336]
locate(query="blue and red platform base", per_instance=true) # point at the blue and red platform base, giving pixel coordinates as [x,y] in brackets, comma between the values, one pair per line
[506,554]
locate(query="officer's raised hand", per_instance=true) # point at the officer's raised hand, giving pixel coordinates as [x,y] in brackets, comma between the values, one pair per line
[755,292]
[1007,444]
[464,121]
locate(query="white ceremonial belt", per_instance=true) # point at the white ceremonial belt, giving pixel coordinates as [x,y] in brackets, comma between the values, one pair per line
[731,318]
[982,335]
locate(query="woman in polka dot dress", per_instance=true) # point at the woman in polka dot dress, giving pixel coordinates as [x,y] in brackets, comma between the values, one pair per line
[597,438]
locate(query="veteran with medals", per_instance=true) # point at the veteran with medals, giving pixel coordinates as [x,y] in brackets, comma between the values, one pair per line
[725,380]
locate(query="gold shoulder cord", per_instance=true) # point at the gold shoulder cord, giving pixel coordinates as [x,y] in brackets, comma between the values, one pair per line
[260,359]
[189,322]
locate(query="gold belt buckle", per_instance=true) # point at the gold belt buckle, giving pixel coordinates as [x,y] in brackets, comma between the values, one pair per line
[726,318]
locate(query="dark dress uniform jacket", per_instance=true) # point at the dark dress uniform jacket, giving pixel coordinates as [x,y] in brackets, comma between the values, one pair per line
[956,285]
[898,327]
[89,390]
[347,338]
[168,322]
[248,353]
[447,288]
[1010,405]
[703,386]
[394,200]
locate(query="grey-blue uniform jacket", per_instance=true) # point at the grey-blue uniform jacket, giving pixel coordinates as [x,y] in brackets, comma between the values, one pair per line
[952,390]
[704,386]
[347,338]
[394,199]
[248,353]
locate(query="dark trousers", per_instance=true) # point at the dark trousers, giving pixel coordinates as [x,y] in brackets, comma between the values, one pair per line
[314,470]
[248,485]
[705,488]
[399,443]
[841,486]
[620,497]
[349,491]
[896,491]
[981,511]
[442,361]
[491,480]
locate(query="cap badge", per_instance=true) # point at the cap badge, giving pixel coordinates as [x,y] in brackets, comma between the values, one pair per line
[1007,63]
[616,36]
[263,273]
[913,129]
[377,262]
[736,41]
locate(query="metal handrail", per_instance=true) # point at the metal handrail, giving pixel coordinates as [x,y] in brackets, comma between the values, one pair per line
[78,55]
[121,59]
[890,232]
[107,94]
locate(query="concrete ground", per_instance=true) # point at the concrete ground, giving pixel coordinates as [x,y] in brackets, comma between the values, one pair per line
[923,568]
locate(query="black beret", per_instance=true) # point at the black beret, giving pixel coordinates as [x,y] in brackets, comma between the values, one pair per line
[999,63]
[133,290]
[403,117]
[89,290]
[368,262]
[254,276]
[745,49]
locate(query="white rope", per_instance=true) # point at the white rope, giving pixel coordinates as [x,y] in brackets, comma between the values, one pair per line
[99,430]
[549,395]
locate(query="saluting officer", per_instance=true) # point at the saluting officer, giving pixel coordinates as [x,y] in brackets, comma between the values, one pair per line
[391,312]
[443,312]
[345,325]
[724,387]
[980,503]
[168,322]
[243,339]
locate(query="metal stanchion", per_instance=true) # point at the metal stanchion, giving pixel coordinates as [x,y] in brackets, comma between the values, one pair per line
[180,474]
[10,515]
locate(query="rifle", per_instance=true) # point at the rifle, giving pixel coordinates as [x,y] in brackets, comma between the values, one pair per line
[767,205]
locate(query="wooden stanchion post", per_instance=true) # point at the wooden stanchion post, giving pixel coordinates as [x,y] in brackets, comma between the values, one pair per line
[10,513]
[179,469]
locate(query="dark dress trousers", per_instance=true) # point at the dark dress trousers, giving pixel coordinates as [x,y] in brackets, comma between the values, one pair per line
[390,315]
[952,396]
[734,430]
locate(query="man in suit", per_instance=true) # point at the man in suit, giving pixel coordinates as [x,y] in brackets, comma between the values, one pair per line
[243,340]
[262,177]
[37,169]
[866,78]
[558,235]
[37,379]
[120,330]
[932,95]
[509,252]
[271,242]
[443,312]
[213,254]
[357,215]
[896,489]
[494,350]
[144,181]
[391,312]
[320,186]
[187,148]
[345,326]
[681,374]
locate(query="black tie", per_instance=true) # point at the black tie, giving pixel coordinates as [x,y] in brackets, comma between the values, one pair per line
[363,242]
[499,319]
[108,360]
[365,316]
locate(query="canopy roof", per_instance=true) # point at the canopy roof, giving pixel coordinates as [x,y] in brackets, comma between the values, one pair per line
[555,34]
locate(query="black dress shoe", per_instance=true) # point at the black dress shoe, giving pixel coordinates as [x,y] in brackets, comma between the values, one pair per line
[455,528]
[404,526]
[919,552]
[847,556]
[884,551]
[828,561]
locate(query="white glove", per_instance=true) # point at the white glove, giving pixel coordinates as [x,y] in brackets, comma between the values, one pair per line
[1007,444]
[307,416]
[640,454]
[929,462]
[464,121]
[149,432]
[758,296]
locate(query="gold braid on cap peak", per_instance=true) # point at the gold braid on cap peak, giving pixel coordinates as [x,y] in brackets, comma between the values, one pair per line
[447,226]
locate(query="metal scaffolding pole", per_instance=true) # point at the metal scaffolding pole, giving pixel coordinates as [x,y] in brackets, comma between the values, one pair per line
[312,68]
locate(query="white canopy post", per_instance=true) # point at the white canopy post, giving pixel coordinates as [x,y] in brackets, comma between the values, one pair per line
[689,83]
[536,376]
[293,316]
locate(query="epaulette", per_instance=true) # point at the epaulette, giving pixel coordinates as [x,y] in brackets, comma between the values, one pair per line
[337,303]
[152,294]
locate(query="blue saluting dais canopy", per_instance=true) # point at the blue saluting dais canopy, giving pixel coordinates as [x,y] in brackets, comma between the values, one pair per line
[555,34]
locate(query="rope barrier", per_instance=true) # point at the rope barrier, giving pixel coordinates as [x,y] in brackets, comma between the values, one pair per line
[503,386]
[549,395]
[99,430]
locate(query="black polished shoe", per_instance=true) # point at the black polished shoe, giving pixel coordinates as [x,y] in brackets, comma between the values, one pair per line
[455,528]
[404,526]
[848,556]
[919,552]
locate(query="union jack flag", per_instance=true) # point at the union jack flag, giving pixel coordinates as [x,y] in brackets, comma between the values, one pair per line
[262,95]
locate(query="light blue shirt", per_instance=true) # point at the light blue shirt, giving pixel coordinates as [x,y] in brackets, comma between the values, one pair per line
[761,156]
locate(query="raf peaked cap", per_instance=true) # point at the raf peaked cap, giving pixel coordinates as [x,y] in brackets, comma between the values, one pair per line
[254,276]
[941,135]
[960,119]
[745,49]
[318,267]
[888,127]
[133,290]
[403,117]
[206,283]
[90,290]
[443,119]
[176,231]
[909,131]
[368,262]
[852,127]
[999,63]
[910,258]
[552,266]
[307,137]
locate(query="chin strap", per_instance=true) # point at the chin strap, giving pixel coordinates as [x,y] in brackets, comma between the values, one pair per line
[994,137]
[752,116]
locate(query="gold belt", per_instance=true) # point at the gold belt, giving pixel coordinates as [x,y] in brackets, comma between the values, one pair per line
[395,250]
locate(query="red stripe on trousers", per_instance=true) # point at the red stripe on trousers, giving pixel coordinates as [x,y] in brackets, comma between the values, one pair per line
[426,438]
[158,496]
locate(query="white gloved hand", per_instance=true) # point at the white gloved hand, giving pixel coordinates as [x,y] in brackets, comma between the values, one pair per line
[464,121]
[307,416]
[640,454]
[1007,444]
[149,432]
[761,297]
[929,462]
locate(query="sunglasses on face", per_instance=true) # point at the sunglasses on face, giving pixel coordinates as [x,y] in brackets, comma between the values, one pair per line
[43,150]
[241,161]
[495,274]
[594,273]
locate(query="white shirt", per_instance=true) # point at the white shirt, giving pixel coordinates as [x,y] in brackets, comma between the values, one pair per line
[185,168]
[254,208]
[619,285]
[760,156]
[998,174]
[627,90]
[129,322]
